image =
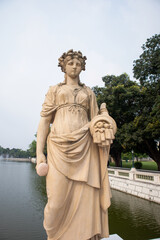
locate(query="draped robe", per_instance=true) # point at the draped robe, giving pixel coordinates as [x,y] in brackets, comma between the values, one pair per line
[77,181]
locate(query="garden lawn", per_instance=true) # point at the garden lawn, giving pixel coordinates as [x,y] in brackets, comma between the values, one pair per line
[148,165]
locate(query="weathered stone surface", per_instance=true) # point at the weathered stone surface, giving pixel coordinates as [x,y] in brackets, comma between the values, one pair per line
[78,146]
[157,199]
[113,237]
[147,191]
[154,193]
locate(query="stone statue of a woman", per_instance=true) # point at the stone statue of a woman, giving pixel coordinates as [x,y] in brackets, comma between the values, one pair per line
[78,146]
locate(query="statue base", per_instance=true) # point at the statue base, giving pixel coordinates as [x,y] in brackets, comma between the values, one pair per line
[113,237]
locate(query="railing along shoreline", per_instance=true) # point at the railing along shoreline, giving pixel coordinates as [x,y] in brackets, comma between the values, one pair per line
[135,174]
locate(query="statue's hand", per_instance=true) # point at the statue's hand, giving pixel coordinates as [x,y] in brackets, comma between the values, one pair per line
[42,166]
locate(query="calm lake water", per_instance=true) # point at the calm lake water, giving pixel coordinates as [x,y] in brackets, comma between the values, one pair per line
[22,200]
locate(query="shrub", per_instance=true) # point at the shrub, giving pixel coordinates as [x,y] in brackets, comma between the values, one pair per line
[138,165]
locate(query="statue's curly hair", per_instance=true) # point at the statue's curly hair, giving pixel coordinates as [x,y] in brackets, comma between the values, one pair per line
[70,55]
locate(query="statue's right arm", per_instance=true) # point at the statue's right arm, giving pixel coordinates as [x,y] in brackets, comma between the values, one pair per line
[42,133]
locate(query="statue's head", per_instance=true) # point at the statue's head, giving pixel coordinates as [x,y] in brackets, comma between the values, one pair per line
[70,55]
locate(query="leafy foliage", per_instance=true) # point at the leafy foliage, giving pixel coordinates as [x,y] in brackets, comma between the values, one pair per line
[122,97]
[136,107]
[147,67]
[128,156]
[14,152]
[32,148]
[138,165]
[146,126]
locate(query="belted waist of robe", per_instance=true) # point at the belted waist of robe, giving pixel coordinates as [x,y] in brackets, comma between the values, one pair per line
[72,106]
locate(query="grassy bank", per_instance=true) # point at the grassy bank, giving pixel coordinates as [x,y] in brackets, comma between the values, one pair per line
[149,165]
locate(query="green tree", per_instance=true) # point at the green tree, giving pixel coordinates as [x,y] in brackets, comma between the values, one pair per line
[136,107]
[14,152]
[122,98]
[147,68]
[146,125]
[32,148]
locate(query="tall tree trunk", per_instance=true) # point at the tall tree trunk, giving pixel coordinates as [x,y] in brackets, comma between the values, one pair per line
[153,151]
[117,158]
[158,164]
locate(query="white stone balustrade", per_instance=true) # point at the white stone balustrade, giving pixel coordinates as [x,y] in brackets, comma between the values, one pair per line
[140,183]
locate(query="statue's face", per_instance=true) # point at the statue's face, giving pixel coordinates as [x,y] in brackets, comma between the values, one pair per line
[73,68]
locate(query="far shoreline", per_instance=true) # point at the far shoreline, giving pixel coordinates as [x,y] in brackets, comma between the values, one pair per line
[16,159]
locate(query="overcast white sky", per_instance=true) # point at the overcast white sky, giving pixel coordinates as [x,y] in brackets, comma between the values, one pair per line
[34,34]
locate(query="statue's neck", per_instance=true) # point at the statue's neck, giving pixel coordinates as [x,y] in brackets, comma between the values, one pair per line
[72,81]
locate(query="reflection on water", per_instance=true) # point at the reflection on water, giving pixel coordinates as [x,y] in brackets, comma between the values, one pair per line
[134,218]
[22,200]
[23,197]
